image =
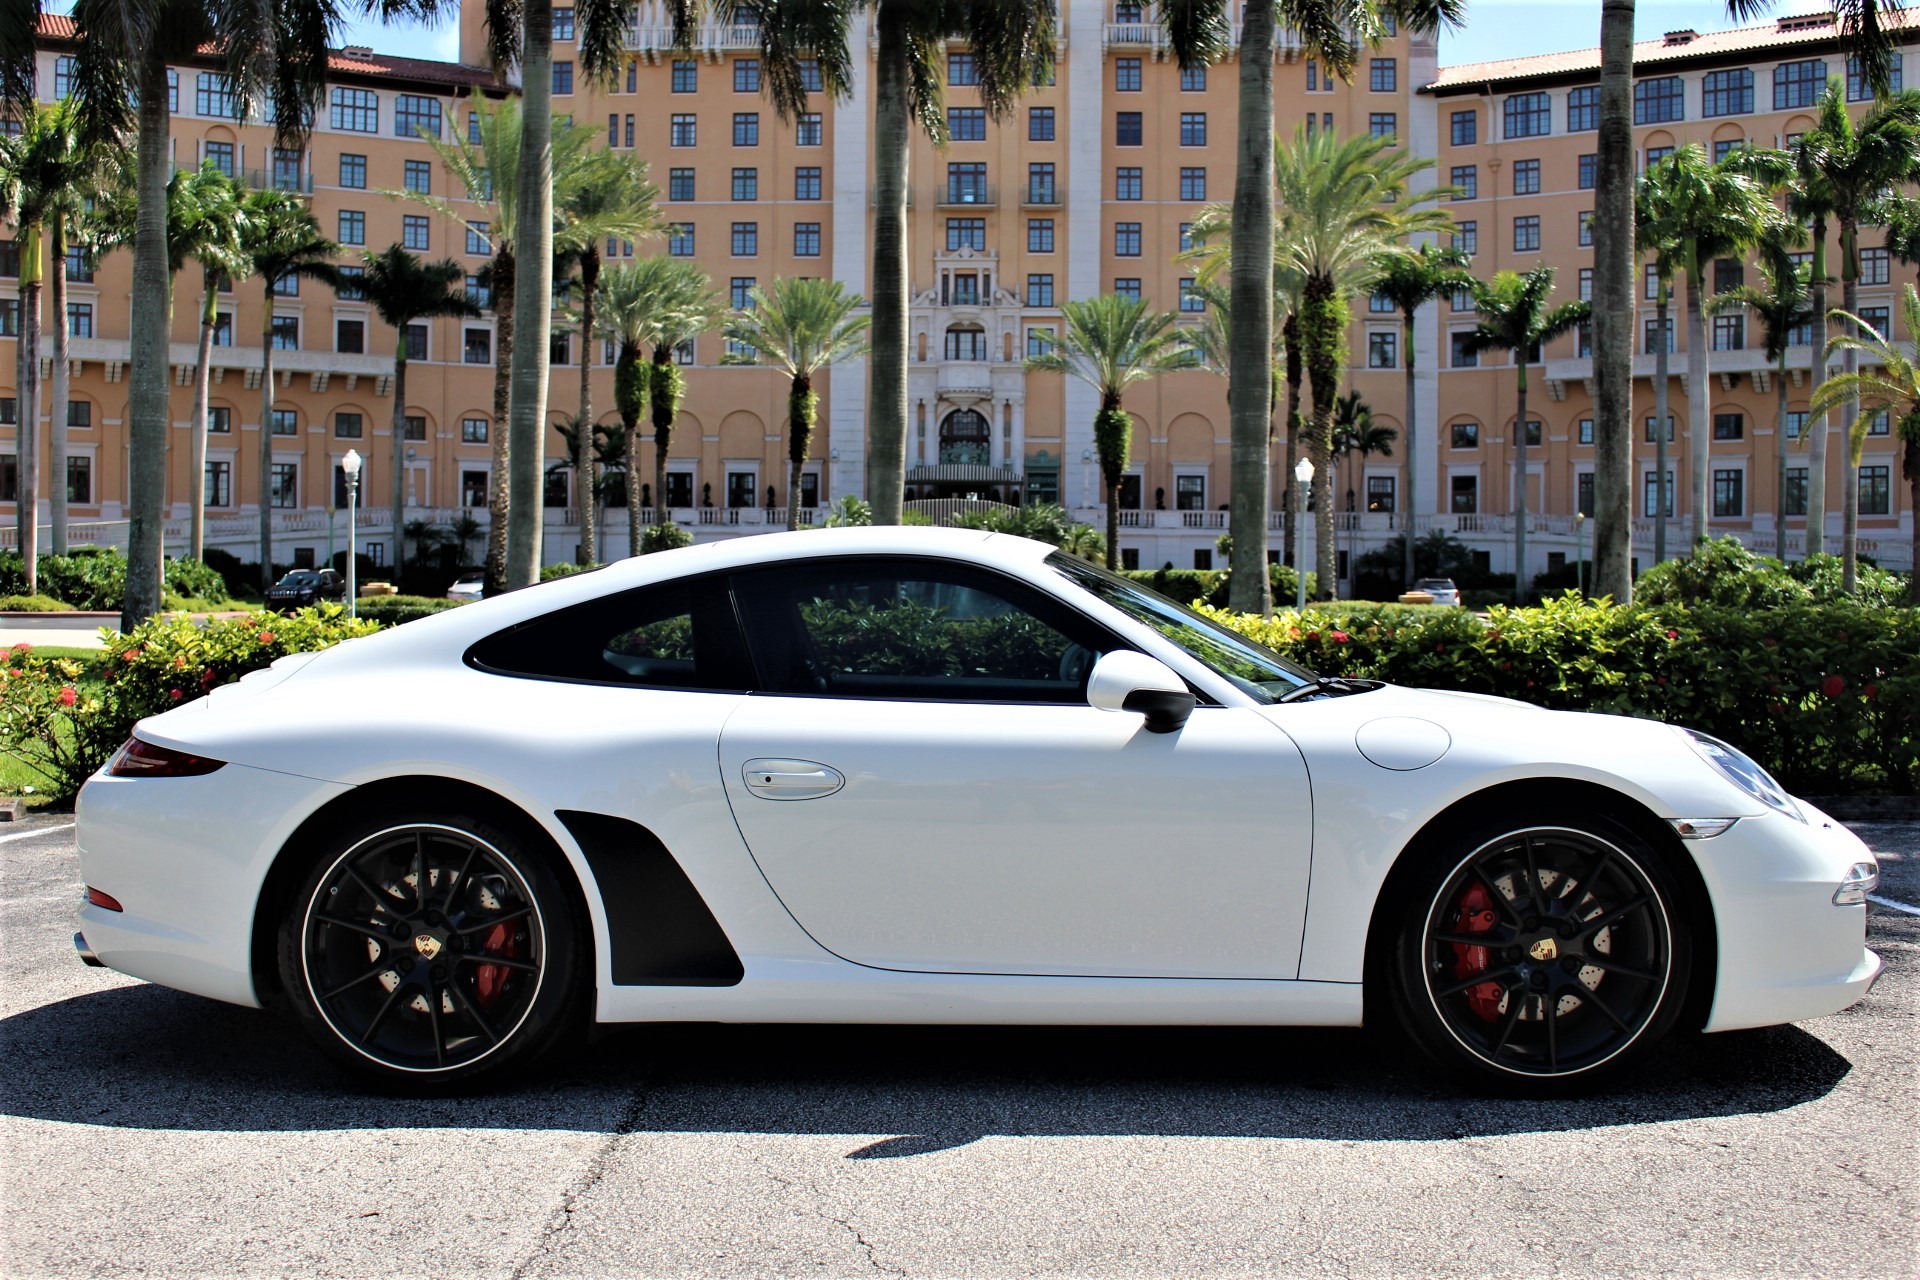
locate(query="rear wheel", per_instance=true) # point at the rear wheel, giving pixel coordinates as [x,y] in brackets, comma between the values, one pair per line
[1540,954]
[433,949]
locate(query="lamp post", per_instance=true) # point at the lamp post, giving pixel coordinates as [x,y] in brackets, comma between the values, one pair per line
[1579,549]
[1303,476]
[351,465]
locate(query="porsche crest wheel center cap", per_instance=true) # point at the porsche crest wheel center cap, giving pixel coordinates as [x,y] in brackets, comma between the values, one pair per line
[1543,950]
[428,944]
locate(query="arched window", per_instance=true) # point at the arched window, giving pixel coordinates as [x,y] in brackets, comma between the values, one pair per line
[966,437]
[966,342]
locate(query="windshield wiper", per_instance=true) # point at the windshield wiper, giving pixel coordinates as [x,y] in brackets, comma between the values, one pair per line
[1328,687]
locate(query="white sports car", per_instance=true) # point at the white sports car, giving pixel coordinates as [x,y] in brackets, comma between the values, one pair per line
[939,776]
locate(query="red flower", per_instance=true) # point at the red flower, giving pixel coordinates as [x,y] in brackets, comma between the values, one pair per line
[22,647]
[206,678]
[68,695]
[1659,679]
[1834,686]
[1506,666]
[1779,708]
[1672,634]
[174,694]
[130,655]
[1770,642]
[1440,648]
[179,662]
[1339,637]
[266,637]
[1871,692]
[15,671]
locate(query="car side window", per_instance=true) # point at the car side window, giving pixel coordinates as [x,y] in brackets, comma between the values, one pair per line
[898,628]
[679,635]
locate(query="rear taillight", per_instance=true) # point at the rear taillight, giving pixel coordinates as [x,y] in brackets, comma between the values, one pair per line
[138,759]
[105,901]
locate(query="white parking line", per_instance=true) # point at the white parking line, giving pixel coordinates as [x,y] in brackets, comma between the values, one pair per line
[68,826]
[1907,907]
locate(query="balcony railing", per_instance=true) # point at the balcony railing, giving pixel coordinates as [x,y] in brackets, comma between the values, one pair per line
[970,195]
[1040,195]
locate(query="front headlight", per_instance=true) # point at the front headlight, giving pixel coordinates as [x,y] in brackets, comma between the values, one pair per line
[1742,771]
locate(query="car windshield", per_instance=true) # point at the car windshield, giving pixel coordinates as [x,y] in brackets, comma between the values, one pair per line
[300,578]
[1254,669]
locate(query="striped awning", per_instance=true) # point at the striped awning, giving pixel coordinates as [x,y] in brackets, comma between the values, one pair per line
[962,473]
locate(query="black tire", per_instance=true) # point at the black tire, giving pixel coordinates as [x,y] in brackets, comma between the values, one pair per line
[1547,987]
[473,980]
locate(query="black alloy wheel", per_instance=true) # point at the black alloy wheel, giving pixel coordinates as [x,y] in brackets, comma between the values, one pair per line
[1546,952]
[432,950]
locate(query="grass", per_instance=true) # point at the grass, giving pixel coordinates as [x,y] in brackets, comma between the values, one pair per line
[76,652]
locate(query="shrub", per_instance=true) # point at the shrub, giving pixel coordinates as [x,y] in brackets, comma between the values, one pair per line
[391,611]
[1827,696]
[1726,572]
[63,717]
[240,576]
[33,604]
[565,569]
[664,537]
[1210,585]
[95,579]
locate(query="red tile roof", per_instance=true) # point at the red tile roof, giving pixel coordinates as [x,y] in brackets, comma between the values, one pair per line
[1811,33]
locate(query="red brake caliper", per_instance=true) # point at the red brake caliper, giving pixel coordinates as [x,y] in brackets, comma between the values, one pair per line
[1476,916]
[490,979]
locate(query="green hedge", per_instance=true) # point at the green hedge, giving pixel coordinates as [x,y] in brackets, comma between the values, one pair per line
[1210,585]
[1827,696]
[97,579]
[391,611]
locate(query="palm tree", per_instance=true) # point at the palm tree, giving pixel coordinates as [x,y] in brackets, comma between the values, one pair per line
[800,327]
[211,229]
[1356,435]
[279,241]
[1865,35]
[1513,316]
[1711,211]
[1848,173]
[403,289]
[1110,343]
[1410,278]
[1782,306]
[124,47]
[1658,232]
[611,190]
[1891,384]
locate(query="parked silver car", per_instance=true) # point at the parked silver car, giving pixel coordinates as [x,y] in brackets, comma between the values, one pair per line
[1441,589]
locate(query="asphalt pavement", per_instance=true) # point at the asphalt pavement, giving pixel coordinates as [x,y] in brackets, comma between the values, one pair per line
[144,1132]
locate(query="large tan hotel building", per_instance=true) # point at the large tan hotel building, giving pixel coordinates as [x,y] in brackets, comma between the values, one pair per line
[1088,187]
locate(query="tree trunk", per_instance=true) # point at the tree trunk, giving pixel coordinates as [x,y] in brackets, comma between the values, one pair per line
[1699,401]
[1250,355]
[57,409]
[26,502]
[1412,435]
[499,498]
[1323,319]
[197,427]
[887,363]
[660,394]
[1662,411]
[1520,582]
[1296,428]
[1817,426]
[1850,453]
[1780,454]
[533,300]
[266,452]
[397,493]
[1910,461]
[802,406]
[151,307]
[629,391]
[585,479]
[1613,259]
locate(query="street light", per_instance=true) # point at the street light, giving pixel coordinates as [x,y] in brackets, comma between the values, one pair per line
[351,465]
[1303,475]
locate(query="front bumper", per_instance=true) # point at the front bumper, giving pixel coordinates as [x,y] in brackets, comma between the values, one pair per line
[187,858]
[1786,952]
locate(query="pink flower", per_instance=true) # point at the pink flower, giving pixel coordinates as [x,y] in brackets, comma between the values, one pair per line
[174,694]
[1872,691]
[1339,637]
[1834,686]
[1673,635]
[22,647]
[266,637]
[68,695]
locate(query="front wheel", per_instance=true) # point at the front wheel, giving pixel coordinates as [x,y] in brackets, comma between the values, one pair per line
[433,949]
[1536,954]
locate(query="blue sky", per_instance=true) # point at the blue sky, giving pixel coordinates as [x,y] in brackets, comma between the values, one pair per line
[1495,28]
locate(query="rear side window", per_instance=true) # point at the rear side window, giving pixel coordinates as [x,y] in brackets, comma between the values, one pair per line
[679,635]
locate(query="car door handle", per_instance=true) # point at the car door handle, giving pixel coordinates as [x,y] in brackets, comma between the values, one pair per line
[781,779]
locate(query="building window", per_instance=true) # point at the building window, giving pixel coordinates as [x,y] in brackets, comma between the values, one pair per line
[686,75]
[1186,237]
[1798,84]
[806,183]
[79,264]
[1586,284]
[680,184]
[1464,494]
[347,426]
[477,243]
[746,184]
[1729,333]
[286,422]
[1039,124]
[214,96]
[810,78]
[287,167]
[1126,75]
[354,111]
[746,75]
[1729,496]
[680,239]
[1383,76]
[1039,341]
[1380,493]
[1126,128]
[1463,354]
[9,317]
[1465,180]
[286,286]
[1725,147]
[1659,101]
[1466,128]
[350,336]
[746,239]
[477,346]
[413,427]
[683,130]
[220,156]
[1127,287]
[746,128]
[1653,429]
[1466,237]
[1795,495]
[967,124]
[1727,93]
[473,431]
[966,342]
[419,177]
[415,336]
[1589,172]
[966,233]
[1126,239]
[560,347]
[1876,491]
[1585,435]
[1529,115]
[353,227]
[1191,299]
[1193,79]
[562,78]
[1651,337]
[1380,304]
[473,128]
[1859,90]
[1193,128]
[1583,110]
[807,130]
[63,78]
[1126,184]
[1383,124]
[962,69]
[1463,301]
[1190,493]
[1880,423]
[967,183]
[1039,235]
[1729,426]
[414,115]
[1040,290]
[1040,184]
[353,172]
[1586,229]
[806,239]
[1656,154]
[1526,177]
[80,319]
[413,233]
[1383,350]
[1526,234]
[223,329]
[1874,266]
[1650,497]
[219,421]
[1193,184]
[219,488]
[348,288]
[1878,319]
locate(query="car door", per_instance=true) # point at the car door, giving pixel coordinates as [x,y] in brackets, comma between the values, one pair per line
[923,783]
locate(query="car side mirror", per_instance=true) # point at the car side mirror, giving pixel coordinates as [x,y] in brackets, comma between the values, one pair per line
[1127,681]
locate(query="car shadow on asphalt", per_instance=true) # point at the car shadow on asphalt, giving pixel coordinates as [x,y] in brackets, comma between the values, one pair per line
[144,1057]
